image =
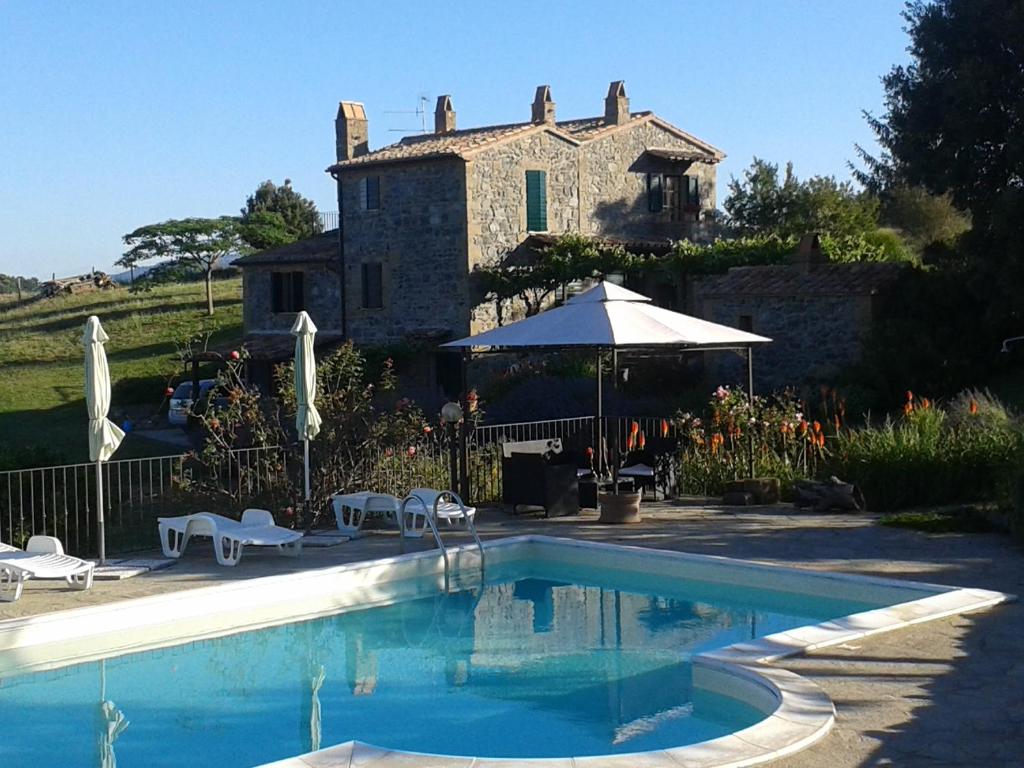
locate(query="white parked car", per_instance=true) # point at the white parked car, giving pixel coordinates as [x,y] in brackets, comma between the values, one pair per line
[181,401]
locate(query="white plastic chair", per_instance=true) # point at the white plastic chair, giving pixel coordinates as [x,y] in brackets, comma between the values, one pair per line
[439,505]
[256,528]
[42,558]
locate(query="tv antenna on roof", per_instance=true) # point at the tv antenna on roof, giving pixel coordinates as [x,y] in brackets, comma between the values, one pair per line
[421,110]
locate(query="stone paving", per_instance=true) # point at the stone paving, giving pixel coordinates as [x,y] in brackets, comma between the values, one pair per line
[946,693]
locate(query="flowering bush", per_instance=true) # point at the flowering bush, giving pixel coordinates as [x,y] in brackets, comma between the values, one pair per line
[966,450]
[717,447]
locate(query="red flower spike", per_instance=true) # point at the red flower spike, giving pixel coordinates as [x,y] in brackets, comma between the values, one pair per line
[169,391]
[234,354]
[664,428]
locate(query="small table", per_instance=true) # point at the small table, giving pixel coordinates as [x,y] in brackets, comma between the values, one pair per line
[351,509]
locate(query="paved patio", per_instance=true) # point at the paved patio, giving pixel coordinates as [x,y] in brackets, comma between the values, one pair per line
[946,693]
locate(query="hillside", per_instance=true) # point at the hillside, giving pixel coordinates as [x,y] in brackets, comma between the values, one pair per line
[41,359]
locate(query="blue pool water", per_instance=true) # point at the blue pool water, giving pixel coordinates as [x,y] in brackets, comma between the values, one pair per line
[548,660]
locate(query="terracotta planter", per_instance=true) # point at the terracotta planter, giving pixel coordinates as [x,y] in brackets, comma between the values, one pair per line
[619,508]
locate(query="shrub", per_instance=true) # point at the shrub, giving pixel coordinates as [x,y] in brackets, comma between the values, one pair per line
[964,452]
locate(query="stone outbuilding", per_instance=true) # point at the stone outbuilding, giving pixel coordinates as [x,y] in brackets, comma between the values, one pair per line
[816,312]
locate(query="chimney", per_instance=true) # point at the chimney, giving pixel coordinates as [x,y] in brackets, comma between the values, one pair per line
[444,115]
[808,254]
[351,130]
[543,106]
[616,105]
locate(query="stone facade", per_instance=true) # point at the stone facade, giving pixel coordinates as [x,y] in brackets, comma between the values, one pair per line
[613,191]
[322,295]
[418,235]
[817,315]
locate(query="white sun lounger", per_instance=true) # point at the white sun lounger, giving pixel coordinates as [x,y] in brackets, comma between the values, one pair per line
[42,558]
[229,536]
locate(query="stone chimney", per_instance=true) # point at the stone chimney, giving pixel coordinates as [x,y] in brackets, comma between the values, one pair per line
[616,105]
[543,106]
[444,115]
[808,254]
[352,131]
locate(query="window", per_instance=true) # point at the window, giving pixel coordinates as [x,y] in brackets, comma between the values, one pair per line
[536,201]
[287,291]
[663,194]
[655,199]
[747,323]
[371,193]
[671,184]
[373,286]
[692,194]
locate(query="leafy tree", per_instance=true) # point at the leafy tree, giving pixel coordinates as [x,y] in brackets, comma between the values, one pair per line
[762,204]
[952,125]
[923,219]
[274,216]
[953,117]
[533,281]
[9,284]
[196,244]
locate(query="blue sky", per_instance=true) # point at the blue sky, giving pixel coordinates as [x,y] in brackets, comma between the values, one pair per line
[118,114]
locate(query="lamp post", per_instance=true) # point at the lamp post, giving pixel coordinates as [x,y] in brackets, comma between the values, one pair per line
[451,415]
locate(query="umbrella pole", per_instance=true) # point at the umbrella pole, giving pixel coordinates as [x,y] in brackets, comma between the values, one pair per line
[99,513]
[750,402]
[305,465]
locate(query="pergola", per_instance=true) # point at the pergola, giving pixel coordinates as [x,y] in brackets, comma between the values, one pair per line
[611,318]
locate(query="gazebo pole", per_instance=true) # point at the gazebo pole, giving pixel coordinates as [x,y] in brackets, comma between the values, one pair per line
[750,406]
[464,490]
[599,447]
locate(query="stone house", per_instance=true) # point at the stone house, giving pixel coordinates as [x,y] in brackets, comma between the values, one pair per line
[417,216]
[816,312]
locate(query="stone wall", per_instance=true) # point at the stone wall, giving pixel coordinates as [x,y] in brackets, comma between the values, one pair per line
[812,337]
[614,170]
[496,201]
[419,236]
[322,289]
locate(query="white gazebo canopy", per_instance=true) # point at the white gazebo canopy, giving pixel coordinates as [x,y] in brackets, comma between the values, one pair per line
[609,316]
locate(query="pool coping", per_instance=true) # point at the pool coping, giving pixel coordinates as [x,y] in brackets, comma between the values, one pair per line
[798,712]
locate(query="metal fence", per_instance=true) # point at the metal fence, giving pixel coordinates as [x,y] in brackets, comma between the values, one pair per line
[61,501]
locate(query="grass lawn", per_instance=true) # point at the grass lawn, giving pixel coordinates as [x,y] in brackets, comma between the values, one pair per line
[41,359]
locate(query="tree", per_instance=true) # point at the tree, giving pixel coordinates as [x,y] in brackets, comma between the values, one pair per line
[923,219]
[761,204]
[274,216]
[191,244]
[954,119]
[954,125]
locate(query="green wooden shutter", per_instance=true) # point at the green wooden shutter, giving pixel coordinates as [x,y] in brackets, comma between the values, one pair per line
[536,201]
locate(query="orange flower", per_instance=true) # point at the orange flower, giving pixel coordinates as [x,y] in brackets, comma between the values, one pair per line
[629,442]
[817,427]
[784,428]
[926,403]
[821,439]
[837,422]
[910,396]
[664,428]
[634,428]
[908,408]
[642,442]
[803,426]
[973,408]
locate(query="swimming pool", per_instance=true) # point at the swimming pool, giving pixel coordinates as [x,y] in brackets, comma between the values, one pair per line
[562,649]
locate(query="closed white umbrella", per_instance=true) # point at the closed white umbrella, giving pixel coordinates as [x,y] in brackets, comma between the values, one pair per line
[307,419]
[104,435]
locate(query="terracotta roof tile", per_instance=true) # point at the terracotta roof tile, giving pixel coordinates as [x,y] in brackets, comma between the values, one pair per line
[858,279]
[319,248]
[461,143]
